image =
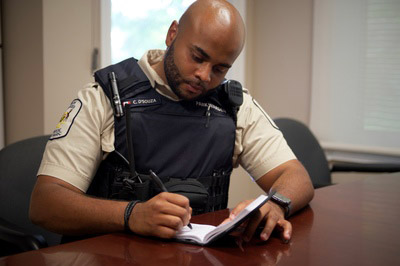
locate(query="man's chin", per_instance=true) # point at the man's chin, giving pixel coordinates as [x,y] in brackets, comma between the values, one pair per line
[187,95]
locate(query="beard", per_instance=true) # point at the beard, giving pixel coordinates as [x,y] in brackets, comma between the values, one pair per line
[175,79]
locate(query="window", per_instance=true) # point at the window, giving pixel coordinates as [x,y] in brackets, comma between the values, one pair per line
[129,28]
[137,26]
[356,76]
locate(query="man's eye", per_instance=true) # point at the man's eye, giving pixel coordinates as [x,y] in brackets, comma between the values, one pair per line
[197,59]
[219,70]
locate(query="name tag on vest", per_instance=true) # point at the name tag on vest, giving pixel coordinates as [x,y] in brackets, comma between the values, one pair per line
[143,102]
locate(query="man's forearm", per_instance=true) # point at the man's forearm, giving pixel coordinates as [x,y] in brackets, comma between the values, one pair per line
[66,211]
[291,180]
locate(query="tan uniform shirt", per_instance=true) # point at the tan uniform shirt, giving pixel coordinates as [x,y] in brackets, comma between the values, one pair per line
[85,134]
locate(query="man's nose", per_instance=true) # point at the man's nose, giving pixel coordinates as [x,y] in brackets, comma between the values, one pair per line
[203,72]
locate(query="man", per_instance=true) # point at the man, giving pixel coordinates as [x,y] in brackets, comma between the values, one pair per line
[200,50]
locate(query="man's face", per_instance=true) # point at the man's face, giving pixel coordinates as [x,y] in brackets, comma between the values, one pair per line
[184,89]
[196,63]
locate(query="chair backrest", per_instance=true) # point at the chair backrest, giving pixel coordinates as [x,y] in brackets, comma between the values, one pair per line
[19,163]
[307,149]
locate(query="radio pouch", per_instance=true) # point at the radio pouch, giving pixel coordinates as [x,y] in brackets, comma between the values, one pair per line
[192,189]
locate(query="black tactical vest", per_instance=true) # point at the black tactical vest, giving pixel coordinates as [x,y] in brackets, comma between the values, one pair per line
[188,144]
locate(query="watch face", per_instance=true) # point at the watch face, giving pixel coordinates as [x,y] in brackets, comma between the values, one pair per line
[283,202]
[281,199]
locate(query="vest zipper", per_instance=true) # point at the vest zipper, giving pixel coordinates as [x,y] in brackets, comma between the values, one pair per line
[208,114]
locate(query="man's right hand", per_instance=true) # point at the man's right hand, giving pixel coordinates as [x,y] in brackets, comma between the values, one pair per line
[161,216]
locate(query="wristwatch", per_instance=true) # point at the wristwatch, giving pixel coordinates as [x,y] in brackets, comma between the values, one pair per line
[282,201]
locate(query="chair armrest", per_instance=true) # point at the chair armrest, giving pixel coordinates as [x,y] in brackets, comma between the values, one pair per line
[17,240]
[364,167]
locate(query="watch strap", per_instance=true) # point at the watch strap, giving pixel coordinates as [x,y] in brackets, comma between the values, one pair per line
[284,202]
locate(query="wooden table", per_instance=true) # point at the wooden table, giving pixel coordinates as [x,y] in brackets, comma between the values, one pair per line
[346,224]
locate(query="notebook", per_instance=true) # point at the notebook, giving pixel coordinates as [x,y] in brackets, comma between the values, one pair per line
[203,234]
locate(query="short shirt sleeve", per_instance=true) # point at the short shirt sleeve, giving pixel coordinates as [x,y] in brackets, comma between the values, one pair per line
[259,145]
[83,134]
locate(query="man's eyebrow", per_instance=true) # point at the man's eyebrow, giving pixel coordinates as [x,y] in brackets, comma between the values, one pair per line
[201,51]
[207,56]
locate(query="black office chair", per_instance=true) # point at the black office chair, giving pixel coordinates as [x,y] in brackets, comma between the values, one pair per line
[309,152]
[19,163]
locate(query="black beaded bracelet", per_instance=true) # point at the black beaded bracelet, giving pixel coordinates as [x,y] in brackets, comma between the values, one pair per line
[128,211]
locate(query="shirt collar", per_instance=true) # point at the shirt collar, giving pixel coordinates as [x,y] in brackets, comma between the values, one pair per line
[150,58]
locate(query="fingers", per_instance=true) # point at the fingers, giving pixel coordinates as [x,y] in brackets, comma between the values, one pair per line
[273,219]
[286,228]
[281,225]
[254,222]
[164,232]
[161,216]
[239,208]
[234,212]
[176,201]
[225,221]
[176,209]
[269,227]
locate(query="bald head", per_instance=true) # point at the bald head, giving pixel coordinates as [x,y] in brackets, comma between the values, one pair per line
[201,48]
[214,17]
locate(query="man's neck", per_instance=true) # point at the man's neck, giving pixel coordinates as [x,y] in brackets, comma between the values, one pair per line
[159,68]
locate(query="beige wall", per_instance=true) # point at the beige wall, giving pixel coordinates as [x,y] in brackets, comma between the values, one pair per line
[47,59]
[278,68]
[23,69]
[281,56]
[67,48]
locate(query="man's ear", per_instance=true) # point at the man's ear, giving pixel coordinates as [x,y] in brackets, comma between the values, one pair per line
[172,32]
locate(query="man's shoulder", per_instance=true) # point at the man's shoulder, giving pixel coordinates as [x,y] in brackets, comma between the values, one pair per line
[91,89]
[91,85]
[247,98]
[92,96]
[251,112]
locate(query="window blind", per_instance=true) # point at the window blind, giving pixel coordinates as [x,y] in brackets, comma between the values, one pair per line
[382,67]
[355,102]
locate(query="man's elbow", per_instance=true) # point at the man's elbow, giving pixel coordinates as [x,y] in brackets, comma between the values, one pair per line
[309,186]
[41,204]
[311,192]
[36,213]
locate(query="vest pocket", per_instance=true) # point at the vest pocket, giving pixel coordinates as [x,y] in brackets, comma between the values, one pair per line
[192,189]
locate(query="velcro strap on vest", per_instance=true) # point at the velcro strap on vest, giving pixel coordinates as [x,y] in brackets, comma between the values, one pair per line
[217,202]
[218,188]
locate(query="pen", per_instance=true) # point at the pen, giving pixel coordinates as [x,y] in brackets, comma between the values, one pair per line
[160,184]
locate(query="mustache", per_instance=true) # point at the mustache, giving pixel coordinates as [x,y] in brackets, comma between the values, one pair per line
[196,84]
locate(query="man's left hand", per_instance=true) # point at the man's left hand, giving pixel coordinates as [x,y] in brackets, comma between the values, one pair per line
[270,215]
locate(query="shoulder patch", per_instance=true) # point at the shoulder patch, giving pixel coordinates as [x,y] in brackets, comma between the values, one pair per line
[67,120]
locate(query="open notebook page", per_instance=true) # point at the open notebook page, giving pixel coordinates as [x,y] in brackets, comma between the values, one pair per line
[202,234]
